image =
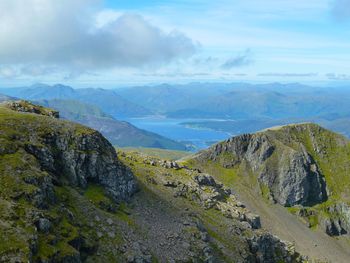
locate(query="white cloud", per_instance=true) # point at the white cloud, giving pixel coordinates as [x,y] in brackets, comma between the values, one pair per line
[8,72]
[243,59]
[71,34]
[337,76]
[288,75]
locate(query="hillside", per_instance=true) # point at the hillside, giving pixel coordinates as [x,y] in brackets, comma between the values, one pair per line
[302,167]
[65,196]
[119,133]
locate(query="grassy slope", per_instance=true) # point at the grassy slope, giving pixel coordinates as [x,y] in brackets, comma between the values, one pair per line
[155,152]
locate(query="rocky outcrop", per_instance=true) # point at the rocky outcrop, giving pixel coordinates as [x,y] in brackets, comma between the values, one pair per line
[285,167]
[295,179]
[70,154]
[336,220]
[268,248]
[25,106]
[202,189]
[83,158]
[43,161]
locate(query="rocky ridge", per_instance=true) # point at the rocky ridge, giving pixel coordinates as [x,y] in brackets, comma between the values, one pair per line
[202,189]
[302,166]
[26,106]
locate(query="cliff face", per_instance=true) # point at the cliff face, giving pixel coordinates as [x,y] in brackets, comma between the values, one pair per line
[68,152]
[79,158]
[290,173]
[294,165]
[42,157]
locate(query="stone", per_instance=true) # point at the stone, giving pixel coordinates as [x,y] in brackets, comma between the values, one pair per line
[205,179]
[253,220]
[43,225]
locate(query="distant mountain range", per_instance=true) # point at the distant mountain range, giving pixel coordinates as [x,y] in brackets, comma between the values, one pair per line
[240,100]
[5,98]
[107,100]
[119,133]
[244,107]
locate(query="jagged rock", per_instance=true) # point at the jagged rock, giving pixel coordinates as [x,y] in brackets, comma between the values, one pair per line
[253,220]
[296,180]
[170,164]
[331,227]
[80,158]
[43,225]
[205,179]
[339,221]
[289,173]
[269,249]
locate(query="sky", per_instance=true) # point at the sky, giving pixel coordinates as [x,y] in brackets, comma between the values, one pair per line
[112,43]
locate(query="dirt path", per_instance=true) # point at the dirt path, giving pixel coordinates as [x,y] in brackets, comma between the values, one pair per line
[313,243]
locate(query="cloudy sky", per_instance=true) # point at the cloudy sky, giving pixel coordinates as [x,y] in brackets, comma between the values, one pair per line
[114,43]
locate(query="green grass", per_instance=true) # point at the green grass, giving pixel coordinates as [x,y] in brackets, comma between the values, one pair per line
[96,194]
[155,152]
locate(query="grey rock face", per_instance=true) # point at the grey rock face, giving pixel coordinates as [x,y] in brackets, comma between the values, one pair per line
[291,175]
[339,222]
[254,148]
[83,158]
[295,180]
[269,249]
[207,180]
[43,225]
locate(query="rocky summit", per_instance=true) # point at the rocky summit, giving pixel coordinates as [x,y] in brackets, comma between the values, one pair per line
[40,157]
[303,167]
[66,196]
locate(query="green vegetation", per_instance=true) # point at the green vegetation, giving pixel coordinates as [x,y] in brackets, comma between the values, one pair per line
[96,194]
[330,151]
[156,152]
[21,183]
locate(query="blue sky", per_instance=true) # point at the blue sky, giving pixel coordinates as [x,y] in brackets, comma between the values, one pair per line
[115,43]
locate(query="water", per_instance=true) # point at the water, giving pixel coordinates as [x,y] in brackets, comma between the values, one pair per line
[172,129]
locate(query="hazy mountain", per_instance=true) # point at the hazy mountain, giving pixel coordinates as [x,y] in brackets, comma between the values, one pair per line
[107,100]
[241,100]
[165,98]
[5,98]
[119,133]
